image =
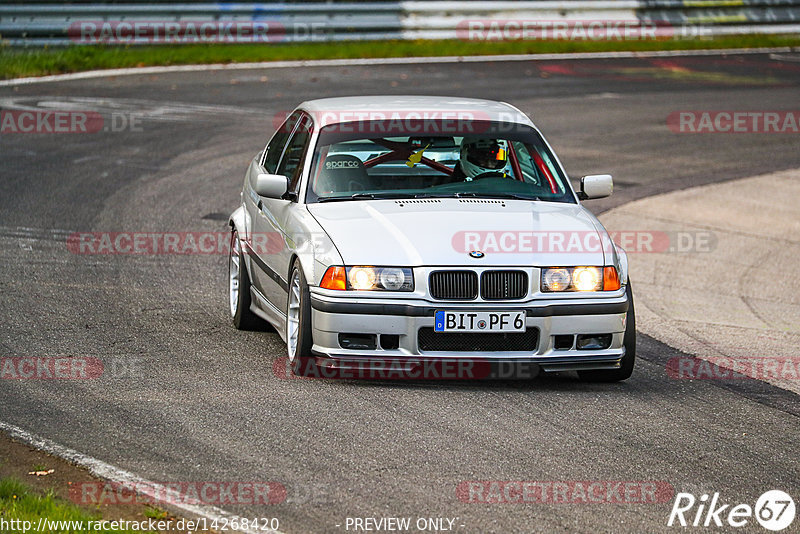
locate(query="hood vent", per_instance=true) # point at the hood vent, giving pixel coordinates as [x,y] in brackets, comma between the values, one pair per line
[481,201]
[418,201]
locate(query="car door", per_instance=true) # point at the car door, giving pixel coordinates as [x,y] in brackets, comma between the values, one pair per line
[265,162]
[270,221]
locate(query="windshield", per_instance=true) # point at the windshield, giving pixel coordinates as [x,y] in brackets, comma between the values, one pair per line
[369,160]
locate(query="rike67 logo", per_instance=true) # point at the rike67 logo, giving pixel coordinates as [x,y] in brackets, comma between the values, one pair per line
[774,510]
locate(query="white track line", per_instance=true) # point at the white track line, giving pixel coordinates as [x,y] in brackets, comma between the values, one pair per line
[384,61]
[127,479]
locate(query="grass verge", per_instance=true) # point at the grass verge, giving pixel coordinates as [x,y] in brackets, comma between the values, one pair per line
[16,62]
[21,508]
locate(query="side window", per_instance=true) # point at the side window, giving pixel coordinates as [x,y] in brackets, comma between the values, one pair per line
[275,148]
[537,167]
[526,163]
[292,162]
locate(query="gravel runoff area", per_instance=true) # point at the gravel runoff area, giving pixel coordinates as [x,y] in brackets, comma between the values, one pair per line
[720,280]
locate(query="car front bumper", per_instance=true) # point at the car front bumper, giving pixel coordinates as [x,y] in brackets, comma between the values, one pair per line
[333,315]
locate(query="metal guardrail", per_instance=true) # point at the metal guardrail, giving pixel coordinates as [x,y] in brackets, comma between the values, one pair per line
[60,24]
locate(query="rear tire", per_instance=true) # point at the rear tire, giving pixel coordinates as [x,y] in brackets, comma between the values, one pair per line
[239,287]
[298,324]
[629,342]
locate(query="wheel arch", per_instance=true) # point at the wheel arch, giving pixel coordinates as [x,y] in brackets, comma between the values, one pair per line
[306,258]
[238,222]
[306,266]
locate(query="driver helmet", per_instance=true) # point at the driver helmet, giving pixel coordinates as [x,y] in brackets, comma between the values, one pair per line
[482,155]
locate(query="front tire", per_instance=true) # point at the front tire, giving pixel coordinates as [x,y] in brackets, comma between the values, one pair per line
[629,341]
[239,287]
[298,324]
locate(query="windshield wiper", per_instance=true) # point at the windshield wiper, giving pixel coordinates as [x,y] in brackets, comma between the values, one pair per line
[472,195]
[365,196]
[435,195]
[514,196]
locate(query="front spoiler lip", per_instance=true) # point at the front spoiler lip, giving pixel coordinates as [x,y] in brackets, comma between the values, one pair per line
[544,363]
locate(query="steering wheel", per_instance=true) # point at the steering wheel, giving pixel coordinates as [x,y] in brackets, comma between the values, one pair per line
[490,174]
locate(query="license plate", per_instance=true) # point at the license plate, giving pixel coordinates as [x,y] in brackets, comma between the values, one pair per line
[449,321]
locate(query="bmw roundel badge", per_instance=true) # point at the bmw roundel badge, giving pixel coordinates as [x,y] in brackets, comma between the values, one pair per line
[476,254]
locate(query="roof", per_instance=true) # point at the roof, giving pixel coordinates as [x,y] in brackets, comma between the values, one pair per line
[328,111]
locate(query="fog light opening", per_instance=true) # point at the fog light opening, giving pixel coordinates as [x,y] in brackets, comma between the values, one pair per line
[563,342]
[593,341]
[358,341]
[390,341]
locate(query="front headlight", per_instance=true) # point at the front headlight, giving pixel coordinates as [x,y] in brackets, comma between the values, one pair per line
[362,278]
[556,279]
[395,279]
[583,278]
[587,279]
[368,278]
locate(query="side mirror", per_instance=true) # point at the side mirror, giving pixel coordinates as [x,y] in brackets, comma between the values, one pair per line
[596,186]
[271,185]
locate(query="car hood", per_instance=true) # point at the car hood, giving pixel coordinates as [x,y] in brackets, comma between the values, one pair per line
[436,232]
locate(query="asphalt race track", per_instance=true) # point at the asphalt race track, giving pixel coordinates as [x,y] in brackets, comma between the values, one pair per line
[186,397]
